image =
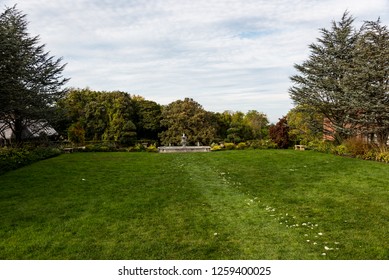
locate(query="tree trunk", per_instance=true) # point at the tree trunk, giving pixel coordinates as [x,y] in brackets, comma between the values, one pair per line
[18,130]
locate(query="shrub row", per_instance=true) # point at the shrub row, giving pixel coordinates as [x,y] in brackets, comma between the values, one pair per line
[352,148]
[114,147]
[13,158]
[254,144]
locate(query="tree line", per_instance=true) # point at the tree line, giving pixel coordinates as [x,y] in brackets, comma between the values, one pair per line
[32,91]
[117,116]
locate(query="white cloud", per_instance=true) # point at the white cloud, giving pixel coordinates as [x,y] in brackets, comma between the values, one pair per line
[226,55]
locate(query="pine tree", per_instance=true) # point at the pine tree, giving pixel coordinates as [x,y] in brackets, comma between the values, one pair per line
[30,79]
[368,81]
[320,84]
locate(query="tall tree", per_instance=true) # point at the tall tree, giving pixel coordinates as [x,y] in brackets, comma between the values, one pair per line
[258,123]
[279,133]
[101,115]
[186,116]
[305,125]
[368,81]
[30,80]
[320,83]
[147,118]
[239,129]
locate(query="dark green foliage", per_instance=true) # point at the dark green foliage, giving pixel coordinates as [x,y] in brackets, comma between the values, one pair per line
[13,158]
[104,116]
[186,116]
[368,81]
[238,127]
[346,80]
[76,134]
[147,118]
[321,82]
[30,79]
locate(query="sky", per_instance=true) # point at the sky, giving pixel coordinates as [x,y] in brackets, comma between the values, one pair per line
[233,55]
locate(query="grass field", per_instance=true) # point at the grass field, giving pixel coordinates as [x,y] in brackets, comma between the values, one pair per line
[254,204]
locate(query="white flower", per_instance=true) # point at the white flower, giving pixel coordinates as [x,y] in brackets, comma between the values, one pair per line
[323,254]
[326,248]
[83,179]
[308,240]
[320,233]
[215,234]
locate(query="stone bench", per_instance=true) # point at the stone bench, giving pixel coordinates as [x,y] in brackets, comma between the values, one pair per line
[68,150]
[71,150]
[299,147]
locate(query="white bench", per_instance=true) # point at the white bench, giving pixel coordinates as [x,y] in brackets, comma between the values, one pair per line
[299,147]
[68,150]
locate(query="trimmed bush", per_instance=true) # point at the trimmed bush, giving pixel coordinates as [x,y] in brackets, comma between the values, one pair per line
[340,150]
[229,146]
[13,158]
[216,147]
[152,149]
[241,146]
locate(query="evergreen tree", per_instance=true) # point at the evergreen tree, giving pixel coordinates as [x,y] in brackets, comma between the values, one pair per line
[30,79]
[368,82]
[321,82]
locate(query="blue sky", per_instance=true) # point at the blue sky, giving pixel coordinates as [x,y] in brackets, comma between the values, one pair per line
[226,55]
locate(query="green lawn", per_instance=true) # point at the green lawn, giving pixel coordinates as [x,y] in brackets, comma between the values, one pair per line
[254,204]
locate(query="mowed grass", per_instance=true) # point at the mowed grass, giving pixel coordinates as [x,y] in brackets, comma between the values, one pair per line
[255,204]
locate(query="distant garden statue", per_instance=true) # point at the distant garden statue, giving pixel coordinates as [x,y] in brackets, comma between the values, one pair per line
[183,140]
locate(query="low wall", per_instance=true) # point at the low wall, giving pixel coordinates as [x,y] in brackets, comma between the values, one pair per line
[183,149]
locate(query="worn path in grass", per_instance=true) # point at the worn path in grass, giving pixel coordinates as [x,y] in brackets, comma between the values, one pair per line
[227,205]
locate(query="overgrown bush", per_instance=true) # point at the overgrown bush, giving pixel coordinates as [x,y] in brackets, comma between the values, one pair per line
[340,150]
[13,158]
[383,157]
[369,155]
[357,147]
